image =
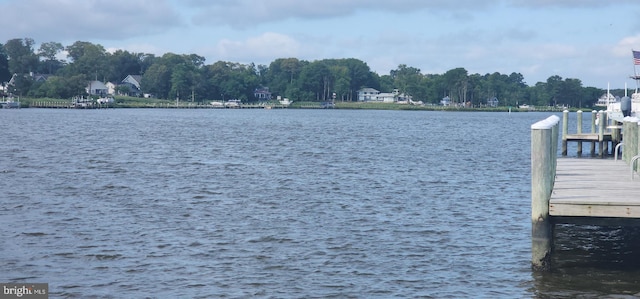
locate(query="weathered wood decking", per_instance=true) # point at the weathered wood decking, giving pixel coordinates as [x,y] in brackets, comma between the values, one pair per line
[595,188]
[575,190]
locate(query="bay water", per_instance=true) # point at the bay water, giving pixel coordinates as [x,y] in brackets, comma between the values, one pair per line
[286,203]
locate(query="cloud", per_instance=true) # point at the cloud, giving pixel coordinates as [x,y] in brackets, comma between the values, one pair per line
[259,49]
[625,45]
[44,20]
[250,13]
[569,3]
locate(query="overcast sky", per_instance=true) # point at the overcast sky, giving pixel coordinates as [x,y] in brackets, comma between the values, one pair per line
[590,40]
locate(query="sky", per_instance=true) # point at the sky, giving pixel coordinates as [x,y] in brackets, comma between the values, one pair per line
[590,40]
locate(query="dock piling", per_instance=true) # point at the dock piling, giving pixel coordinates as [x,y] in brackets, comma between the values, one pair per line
[543,167]
[579,120]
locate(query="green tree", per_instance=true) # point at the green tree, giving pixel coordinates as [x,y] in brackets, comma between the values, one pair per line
[228,80]
[341,82]
[48,51]
[5,75]
[173,75]
[360,75]
[572,92]
[314,82]
[22,59]
[21,85]
[409,80]
[281,74]
[386,83]
[123,63]
[87,59]
[156,81]
[456,85]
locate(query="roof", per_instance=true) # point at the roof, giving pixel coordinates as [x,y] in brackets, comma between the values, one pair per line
[369,89]
[133,79]
[96,85]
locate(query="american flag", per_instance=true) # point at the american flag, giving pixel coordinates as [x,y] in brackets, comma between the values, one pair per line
[636,57]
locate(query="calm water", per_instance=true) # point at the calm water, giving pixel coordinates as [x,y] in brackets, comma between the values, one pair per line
[160,203]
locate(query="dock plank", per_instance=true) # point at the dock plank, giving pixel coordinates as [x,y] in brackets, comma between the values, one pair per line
[595,188]
[587,137]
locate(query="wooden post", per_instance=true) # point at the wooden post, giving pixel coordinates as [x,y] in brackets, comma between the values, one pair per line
[565,131]
[543,165]
[630,129]
[594,116]
[579,130]
[637,135]
[601,124]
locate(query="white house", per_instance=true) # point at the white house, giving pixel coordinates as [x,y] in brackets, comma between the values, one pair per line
[372,95]
[386,97]
[96,88]
[367,94]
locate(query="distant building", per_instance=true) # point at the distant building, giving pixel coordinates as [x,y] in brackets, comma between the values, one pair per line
[446,101]
[367,94]
[373,95]
[133,82]
[262,93]
[97,88]
[111,88]
[492,102]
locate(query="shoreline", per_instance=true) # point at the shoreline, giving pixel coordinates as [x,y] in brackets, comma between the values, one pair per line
[165,104]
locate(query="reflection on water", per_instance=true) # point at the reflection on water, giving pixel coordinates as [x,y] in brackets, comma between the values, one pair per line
[592,262]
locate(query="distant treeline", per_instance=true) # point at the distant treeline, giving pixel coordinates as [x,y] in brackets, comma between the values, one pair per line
[188,77]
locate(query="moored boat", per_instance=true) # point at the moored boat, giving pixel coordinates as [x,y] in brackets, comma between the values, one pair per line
[9,103]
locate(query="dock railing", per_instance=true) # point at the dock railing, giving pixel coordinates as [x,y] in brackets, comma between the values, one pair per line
[607,132]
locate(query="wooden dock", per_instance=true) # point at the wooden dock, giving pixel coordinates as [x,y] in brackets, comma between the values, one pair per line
[592,191]
[594,188]
[603,132]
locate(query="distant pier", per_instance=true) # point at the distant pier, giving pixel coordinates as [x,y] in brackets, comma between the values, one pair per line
[582,191]
[602,133]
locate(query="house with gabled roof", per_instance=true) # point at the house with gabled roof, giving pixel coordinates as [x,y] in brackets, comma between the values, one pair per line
[262,93]
[96,88]
[133,81]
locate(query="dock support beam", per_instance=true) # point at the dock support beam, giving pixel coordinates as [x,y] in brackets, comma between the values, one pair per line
[565,131]
[630,129]
[544,149]
[594,116]
[601,143]
[579,119]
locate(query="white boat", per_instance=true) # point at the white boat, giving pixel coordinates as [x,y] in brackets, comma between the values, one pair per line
[105,100]
[285,102]
[9,103]
[217,104]
[614,111]
[232,104]
[606,99]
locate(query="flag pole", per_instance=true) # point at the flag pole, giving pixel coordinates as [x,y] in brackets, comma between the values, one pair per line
[635,73]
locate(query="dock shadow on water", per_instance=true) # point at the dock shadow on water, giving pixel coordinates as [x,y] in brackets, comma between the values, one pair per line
[592,262]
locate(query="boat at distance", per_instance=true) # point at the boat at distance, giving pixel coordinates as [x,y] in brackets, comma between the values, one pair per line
[9,103]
